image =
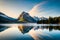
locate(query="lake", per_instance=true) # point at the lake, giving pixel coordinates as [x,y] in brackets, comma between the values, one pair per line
[29,31]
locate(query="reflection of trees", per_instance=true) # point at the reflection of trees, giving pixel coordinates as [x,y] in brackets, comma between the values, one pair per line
[24,29]
[48,27]
[52,27]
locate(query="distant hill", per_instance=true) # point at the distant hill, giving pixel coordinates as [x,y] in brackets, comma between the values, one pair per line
[6,19]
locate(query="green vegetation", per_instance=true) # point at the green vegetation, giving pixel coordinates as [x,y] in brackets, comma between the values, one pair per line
[21,19]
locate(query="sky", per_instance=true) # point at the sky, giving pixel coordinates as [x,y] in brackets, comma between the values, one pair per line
[39,8]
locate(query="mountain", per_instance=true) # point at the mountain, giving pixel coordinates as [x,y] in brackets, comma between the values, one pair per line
[36,18]
[40,18]
[26,18]
[43,18]
[23,18]
[6,19]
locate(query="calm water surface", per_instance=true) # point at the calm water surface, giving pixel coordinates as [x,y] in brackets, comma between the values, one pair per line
[30,31]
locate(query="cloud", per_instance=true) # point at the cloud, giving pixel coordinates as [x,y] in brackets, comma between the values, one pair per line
[35,10]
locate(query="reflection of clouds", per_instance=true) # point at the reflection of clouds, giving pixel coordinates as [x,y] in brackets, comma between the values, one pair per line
[38,34]
[33,34]
[42,33]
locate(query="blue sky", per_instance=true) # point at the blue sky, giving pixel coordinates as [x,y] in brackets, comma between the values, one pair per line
[46,8]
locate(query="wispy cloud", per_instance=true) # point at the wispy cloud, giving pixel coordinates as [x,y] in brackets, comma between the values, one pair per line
[35,10]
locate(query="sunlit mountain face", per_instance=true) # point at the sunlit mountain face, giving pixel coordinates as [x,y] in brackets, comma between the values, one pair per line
[26,17]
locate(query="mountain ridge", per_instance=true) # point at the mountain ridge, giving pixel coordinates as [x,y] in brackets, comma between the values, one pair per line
[24,17]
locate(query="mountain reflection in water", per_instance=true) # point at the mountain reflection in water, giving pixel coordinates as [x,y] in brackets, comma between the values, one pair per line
[26,32]
[24,29]
[2,28]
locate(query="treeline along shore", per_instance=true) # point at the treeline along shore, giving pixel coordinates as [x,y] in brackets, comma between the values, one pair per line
[50,20]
